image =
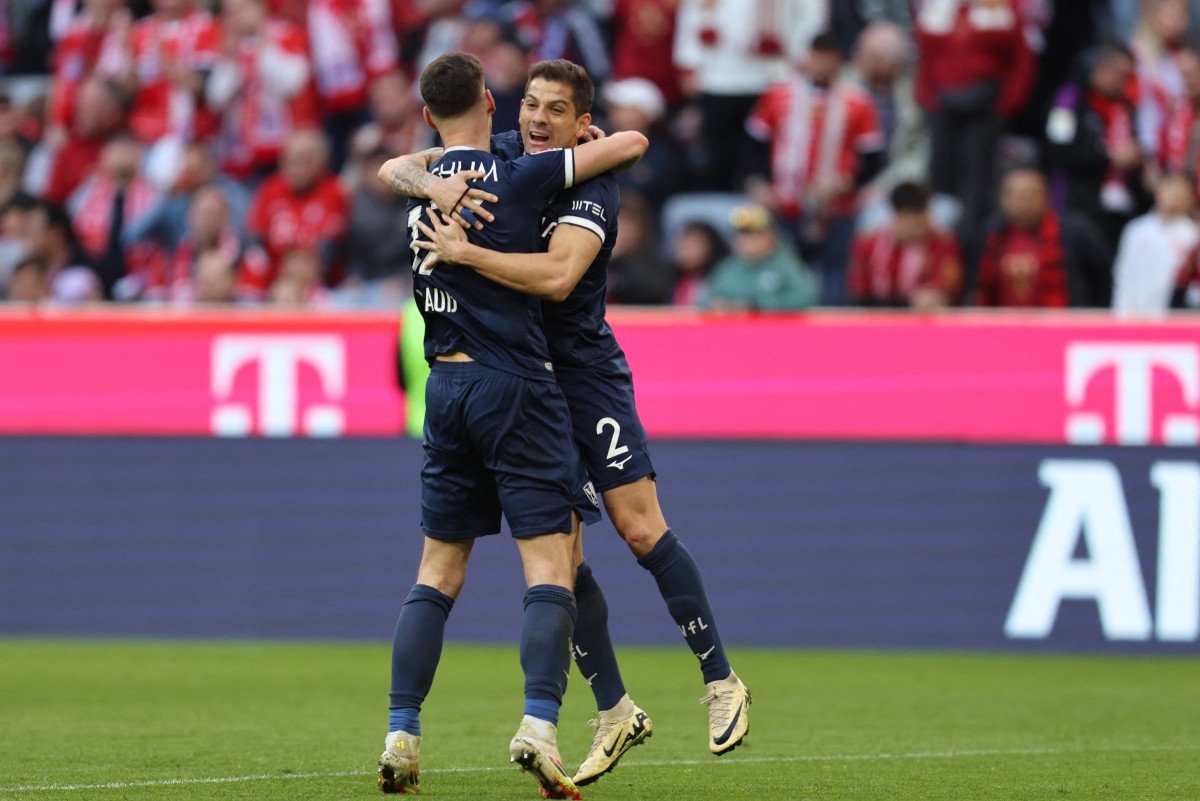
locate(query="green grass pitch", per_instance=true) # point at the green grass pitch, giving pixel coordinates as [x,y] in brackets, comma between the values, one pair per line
[155,720]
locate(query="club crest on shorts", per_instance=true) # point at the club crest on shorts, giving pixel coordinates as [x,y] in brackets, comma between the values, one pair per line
[590,492]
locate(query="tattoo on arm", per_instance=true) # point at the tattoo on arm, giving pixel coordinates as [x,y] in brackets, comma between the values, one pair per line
[410,175]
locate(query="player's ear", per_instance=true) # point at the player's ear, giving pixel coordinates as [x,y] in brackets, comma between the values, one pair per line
[428,117]
[582,124]
[491,102]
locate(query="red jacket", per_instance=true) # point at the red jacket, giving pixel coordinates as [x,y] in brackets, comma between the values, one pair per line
[968,55]
[284,220]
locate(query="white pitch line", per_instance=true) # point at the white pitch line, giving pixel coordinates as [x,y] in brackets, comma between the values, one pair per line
[35,788]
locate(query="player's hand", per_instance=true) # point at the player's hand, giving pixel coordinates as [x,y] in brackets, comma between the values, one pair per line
[454,196]
[592,134]
[447,242]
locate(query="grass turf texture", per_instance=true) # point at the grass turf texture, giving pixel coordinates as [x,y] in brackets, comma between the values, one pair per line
[153,720]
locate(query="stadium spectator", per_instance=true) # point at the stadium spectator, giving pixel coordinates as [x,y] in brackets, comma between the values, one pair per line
[215,279]
[1179,145]
[167,221]
[262,86]
[636,104]
[104,207]
[29,283]
[299,284]
[1092,145]
[637,274]
[1039,258]
[504,68]
[1158,44]
[47,237]
[12,170]
[643,37]
[974,70]
[352,43]
[825,144]
[209,229]
[763,273]
[172,50]
[72,153]
[549,29]
[444,31]
[396,125]
[377,271]
[302,206]
[1154,250]
[883,60]
[698,248]
[908,263]
[729,52]
[94,43]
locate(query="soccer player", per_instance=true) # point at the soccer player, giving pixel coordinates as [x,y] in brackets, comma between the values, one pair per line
[579,228]
[497,435]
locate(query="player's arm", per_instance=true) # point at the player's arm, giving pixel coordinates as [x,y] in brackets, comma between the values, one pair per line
[549,276]
[410,176]
[618,151]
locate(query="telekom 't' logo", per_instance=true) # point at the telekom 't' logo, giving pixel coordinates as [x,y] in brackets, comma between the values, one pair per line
[278,357]
[1133,366]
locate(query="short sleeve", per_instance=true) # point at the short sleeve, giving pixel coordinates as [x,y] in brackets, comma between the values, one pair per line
[592,205]
[540,176]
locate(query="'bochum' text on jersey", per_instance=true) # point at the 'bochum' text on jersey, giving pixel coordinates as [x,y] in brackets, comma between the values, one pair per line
[463,311]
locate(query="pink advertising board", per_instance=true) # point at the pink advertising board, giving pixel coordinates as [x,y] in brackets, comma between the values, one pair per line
[967,377]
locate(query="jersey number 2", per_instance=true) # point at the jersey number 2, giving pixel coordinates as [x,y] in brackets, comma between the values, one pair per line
[614,450]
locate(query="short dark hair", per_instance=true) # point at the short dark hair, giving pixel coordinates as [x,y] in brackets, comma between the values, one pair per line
[825,43]
[559,70]
[452,84]
[909,196]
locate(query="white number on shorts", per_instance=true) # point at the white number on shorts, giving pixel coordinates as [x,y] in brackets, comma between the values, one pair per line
[614,450]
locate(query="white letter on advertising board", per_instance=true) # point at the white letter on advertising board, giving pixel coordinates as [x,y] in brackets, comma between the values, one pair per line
[1086,499]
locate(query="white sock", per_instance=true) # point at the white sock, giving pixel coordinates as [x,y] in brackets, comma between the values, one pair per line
[623,709]
[542,729]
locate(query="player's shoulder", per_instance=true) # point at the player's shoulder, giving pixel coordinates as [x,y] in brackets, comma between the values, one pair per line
[600,189]
[508,145]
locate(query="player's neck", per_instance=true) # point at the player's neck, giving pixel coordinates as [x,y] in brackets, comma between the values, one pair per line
[472,134]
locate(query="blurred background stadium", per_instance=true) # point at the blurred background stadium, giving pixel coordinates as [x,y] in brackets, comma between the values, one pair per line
[908,290]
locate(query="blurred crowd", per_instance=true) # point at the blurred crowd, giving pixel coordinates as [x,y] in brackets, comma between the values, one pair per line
[895,153]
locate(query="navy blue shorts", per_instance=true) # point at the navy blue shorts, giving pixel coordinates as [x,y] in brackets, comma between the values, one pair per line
[498,443]
[609,434]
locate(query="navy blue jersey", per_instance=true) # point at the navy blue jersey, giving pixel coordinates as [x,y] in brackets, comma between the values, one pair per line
[577,332]
[463,311]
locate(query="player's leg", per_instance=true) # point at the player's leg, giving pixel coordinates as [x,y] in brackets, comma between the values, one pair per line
[637,516]
[546,629]
[452,471]
[416,651]
[620,724]
[526,443]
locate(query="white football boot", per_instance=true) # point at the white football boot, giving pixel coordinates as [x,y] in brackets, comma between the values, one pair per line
[617,731]
[400,765]
[534,749]
[728,703]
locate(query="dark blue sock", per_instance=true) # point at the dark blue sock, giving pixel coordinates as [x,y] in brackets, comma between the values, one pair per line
[594,654]
[682,588]
[546,648]
[416,650]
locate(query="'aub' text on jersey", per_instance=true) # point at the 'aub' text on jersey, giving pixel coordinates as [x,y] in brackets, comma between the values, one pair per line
[439,300]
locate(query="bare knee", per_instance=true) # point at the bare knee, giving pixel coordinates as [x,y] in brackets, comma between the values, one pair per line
[444,565]
[640,530]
